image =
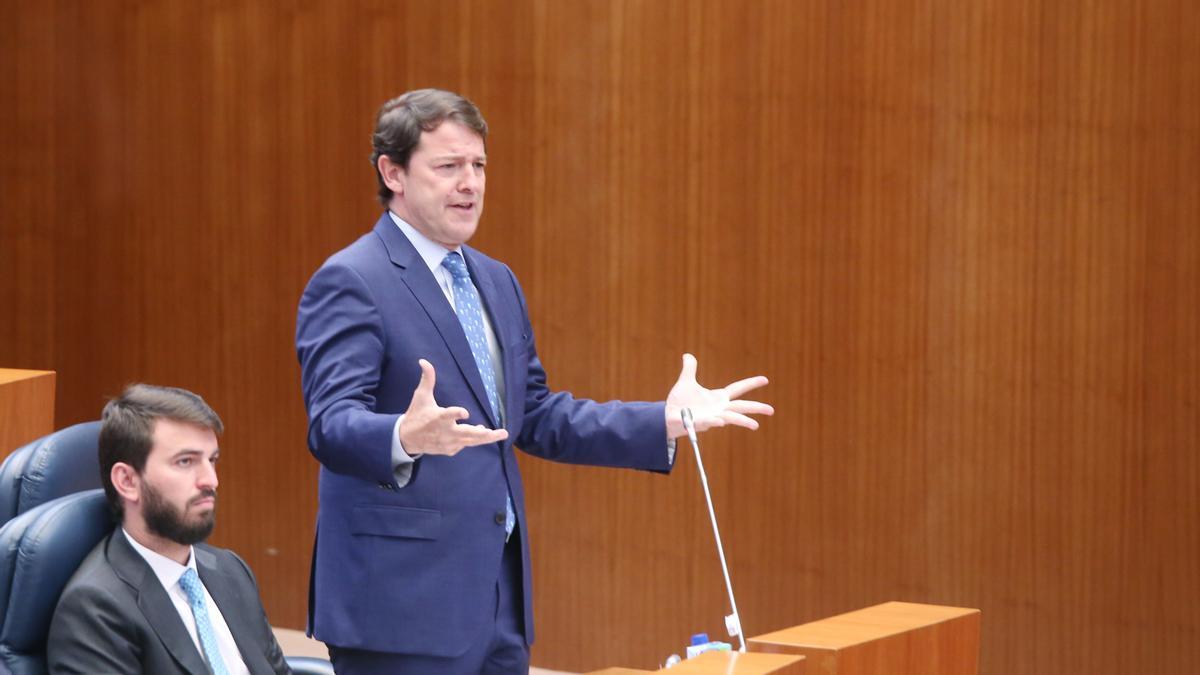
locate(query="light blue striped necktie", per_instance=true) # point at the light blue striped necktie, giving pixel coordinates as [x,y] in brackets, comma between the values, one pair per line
[208,638]
[470,314]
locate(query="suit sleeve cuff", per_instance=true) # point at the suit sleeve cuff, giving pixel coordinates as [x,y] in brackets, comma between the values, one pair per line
[402,462]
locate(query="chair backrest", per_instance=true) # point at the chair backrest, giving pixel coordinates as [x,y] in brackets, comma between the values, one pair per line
[309,665]
[11,473]
[39,551]
[59,464]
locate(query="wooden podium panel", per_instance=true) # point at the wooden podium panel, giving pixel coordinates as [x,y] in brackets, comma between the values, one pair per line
[725,663]
[733,663]
[895,638]
[26,407]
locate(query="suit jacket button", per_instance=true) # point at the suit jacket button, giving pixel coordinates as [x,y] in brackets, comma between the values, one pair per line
[499,517]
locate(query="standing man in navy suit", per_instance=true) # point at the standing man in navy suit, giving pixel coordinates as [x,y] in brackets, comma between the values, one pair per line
[420,374]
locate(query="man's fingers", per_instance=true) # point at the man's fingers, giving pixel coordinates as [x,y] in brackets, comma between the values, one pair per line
[453,413]
[739,420]
[742,386]
[475,434]
[736,413]
[445,437]
[750,407]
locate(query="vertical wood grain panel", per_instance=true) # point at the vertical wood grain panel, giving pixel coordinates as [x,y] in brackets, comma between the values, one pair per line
[27,190]
[963,239]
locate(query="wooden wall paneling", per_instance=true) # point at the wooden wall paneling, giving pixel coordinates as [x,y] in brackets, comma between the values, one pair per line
[604,149]
[961,238]
[980,298]
[1087,341]
[258,176]
[1159,472]
[27,195]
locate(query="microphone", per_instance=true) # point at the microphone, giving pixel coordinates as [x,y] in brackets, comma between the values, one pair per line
[733,623]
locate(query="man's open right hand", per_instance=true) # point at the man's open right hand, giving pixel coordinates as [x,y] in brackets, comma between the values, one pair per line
[430,429]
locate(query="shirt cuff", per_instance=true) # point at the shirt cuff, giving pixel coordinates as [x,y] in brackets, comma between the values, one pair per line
[670,450]
[402,462]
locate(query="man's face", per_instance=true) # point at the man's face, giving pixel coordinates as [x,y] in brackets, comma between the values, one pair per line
[178,489]
[441,193]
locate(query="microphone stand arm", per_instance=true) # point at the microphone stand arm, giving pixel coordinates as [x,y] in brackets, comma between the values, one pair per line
[733,623]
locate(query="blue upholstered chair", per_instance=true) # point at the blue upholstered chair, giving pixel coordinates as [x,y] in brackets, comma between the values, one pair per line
[309,665]
[39,551]
[59,464]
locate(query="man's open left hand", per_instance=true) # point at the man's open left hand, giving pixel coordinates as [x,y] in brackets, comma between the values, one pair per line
[712,407]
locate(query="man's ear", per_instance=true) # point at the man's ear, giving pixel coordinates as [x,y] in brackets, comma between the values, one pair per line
[393,174]
[126,481]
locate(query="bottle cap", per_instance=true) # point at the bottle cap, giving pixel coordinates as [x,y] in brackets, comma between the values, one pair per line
[700,639]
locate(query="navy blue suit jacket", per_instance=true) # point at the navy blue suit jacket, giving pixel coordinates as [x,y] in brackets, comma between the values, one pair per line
[413,569]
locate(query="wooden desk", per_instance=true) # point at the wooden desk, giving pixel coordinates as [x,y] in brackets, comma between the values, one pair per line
[26,407]
[725,663]
[895,638]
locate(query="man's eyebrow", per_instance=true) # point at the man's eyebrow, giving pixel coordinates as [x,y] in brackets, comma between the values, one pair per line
[193,451]
[451,155]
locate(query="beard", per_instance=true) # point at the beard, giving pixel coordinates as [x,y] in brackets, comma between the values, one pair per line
[168,522]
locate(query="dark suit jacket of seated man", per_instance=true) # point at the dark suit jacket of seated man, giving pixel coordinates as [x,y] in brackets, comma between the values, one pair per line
[150,598]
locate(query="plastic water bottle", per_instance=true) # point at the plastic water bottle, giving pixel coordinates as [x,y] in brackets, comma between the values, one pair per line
[701,644]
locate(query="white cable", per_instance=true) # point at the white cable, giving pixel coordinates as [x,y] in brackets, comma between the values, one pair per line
[732,623]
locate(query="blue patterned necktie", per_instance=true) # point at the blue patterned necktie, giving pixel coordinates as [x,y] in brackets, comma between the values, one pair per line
[208,638]
[470,314]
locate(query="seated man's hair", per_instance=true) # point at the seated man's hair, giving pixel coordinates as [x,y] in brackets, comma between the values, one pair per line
[127,428]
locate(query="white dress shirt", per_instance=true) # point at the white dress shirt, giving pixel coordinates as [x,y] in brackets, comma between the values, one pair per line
[168,572]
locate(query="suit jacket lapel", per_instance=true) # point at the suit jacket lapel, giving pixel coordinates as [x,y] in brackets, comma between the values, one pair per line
[225,590]
[156,606]
[417,277]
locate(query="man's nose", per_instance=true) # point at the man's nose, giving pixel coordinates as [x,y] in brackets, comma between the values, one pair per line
[208,476]
[472,180]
